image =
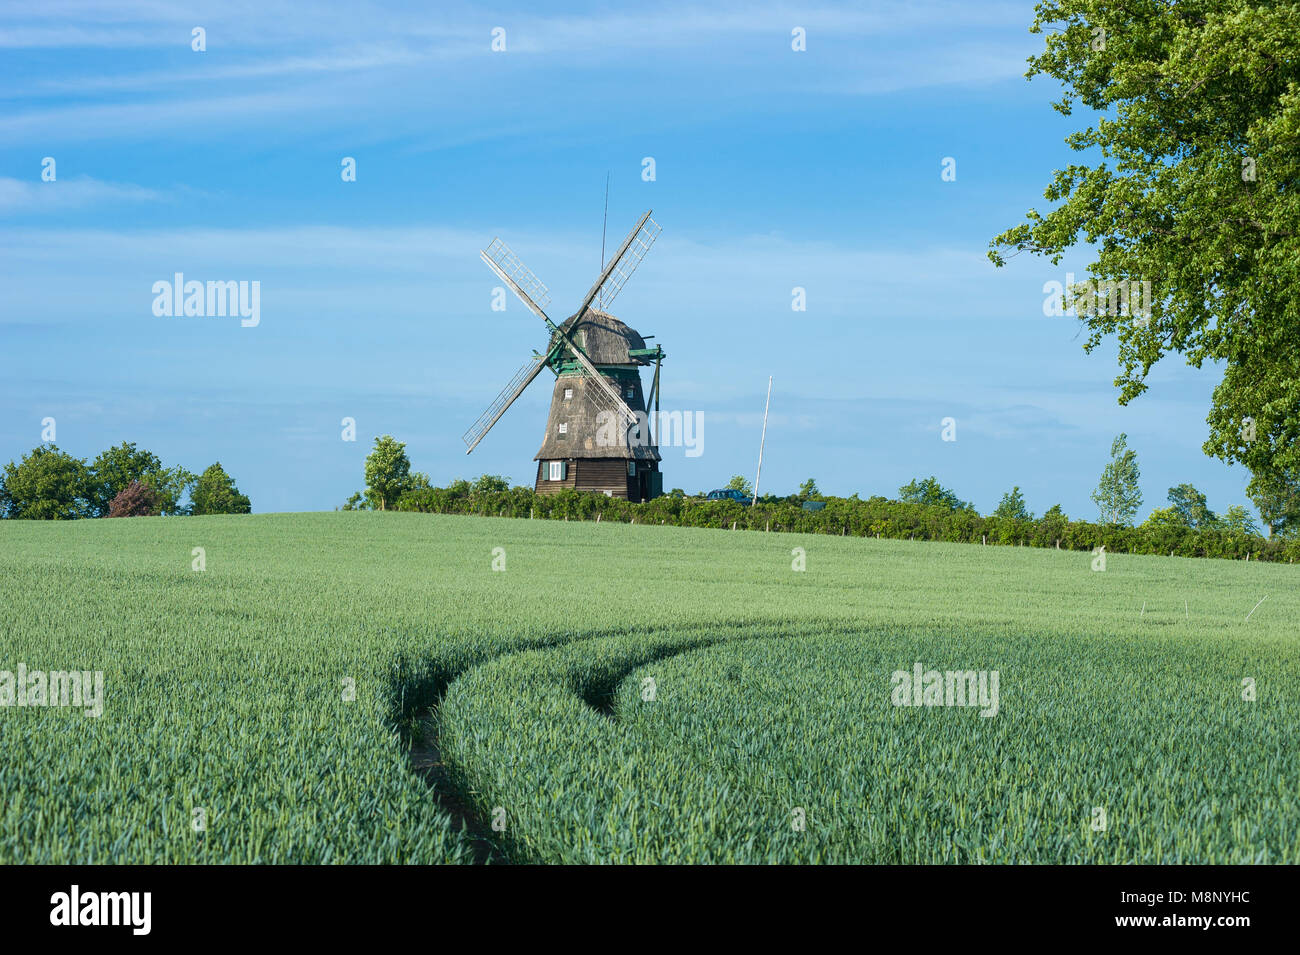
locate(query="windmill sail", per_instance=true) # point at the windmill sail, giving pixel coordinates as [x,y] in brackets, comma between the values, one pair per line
[519,277]
[624,262]
[513,389]
[635,249]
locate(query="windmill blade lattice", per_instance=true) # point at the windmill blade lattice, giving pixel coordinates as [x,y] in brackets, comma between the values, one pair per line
[509,266]
[513,389]
[637,247]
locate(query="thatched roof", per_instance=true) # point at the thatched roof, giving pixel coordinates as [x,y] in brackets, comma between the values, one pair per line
[603,337]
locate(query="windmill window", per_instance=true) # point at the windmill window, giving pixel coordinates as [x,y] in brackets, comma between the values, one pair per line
[564,427]
[631,392]
[568,393]
[556,470]
[631,469]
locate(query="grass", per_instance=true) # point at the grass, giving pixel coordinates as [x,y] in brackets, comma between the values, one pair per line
[226,692]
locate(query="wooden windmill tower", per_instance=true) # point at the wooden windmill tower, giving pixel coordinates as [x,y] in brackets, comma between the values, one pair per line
[598,435]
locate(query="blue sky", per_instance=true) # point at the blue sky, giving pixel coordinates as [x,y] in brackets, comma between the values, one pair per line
[775,168]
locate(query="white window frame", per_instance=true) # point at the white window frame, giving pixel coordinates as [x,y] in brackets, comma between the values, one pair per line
[564,427]
[568,393]
[555,470]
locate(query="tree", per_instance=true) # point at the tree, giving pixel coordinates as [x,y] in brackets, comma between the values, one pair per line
[1190,185]
[1238,519]
[808,491]
[388,472]
[1191,506]
[47,484]
[1277,495]
[1165,517]
[215,493]
[1118,496]
[135,500]
[930,492]
[1012,506]
[490,484]
[740,483]
[113,470]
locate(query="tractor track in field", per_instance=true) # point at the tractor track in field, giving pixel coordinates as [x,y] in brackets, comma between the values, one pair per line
[425,759]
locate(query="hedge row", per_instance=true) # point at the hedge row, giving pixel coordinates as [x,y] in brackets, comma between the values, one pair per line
[874,517]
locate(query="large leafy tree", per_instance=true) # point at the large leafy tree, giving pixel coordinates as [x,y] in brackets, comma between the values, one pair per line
[47,484]
[114,470]
[215,493]
[1117,496]
[388,472]
[1191,182]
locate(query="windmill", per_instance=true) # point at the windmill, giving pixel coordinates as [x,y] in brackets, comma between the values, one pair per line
[597,434]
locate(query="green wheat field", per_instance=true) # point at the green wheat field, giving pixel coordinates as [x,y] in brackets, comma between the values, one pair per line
[365,687]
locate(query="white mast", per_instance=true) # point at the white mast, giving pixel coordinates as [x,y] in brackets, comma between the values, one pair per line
[762,440]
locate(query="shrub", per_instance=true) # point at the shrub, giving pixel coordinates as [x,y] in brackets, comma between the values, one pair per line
[135,500]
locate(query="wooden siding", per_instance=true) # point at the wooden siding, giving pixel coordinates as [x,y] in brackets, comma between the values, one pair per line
[593,474]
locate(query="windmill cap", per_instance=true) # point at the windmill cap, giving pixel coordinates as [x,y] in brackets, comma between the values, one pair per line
[605,339]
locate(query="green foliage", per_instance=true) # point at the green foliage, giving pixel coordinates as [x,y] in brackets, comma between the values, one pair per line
[850,517]
[1117,496]
[1164,517]
[932,494]
[47,484]
[808,491]
[490,484]
[740,483]
[113,470]
[1238,520]
[1192,507]
[1193,157]
[773,692]
[388,472]
[215,493]
[1277,495]
[1012,506]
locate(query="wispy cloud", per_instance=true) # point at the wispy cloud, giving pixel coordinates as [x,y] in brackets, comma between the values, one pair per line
[18,195]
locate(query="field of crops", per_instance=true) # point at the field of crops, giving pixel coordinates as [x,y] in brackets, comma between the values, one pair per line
[635,693]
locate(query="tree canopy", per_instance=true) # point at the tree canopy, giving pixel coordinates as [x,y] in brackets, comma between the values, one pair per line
[1013,506]
[388,472]
[47,484]
[740,483]
[929,491]
[215,493]
[1117,495]
[1190,184]
[114,470]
